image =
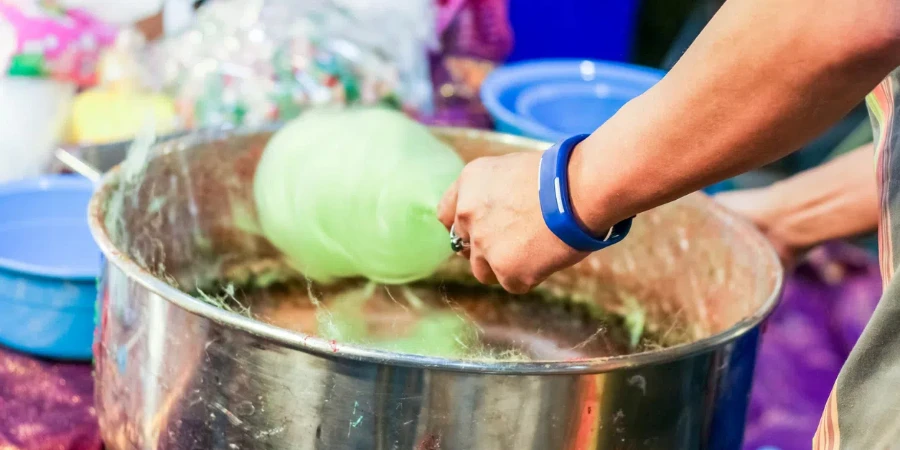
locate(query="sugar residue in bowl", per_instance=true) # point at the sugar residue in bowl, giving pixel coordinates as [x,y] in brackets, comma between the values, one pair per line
[448,320]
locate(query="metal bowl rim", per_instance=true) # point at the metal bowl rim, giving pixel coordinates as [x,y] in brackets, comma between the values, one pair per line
[330,349]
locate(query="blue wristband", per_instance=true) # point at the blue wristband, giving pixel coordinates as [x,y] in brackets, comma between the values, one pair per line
[556,204]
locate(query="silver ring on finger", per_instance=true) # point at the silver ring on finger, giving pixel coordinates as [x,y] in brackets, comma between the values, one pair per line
[457,243]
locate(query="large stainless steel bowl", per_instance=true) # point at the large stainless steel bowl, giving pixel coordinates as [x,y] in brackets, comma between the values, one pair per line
[175,372]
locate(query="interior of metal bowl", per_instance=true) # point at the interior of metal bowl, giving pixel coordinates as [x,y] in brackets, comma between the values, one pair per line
[179,216]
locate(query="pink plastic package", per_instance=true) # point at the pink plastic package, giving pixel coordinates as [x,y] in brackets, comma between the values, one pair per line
[40,39]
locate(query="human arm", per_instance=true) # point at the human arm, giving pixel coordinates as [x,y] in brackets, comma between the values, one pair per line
[763,78]
[833,201]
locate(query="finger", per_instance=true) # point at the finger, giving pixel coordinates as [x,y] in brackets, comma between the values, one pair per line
[788,256]
[732,199]
[446,211]
[514,286]
[748,203]
[482,270]
[517,281]
[460,229]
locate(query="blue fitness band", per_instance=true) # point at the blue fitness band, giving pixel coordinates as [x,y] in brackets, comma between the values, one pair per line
[556,205]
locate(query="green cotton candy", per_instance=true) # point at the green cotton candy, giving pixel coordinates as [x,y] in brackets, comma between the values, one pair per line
[438,333]
[443,335]
[353,193]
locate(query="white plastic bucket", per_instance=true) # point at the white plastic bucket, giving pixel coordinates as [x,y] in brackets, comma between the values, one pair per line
[33,113]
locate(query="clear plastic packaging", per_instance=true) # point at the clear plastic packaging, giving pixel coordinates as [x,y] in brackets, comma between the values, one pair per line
[121,103]
[249,62]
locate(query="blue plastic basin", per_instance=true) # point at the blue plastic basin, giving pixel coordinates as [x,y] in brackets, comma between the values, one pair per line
[553,99]
[49,265]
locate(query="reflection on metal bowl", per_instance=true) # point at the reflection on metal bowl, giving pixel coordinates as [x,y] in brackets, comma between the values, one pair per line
[175,372]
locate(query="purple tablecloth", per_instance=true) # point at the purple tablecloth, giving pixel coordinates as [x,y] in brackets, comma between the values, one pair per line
[826,305]
[46,406]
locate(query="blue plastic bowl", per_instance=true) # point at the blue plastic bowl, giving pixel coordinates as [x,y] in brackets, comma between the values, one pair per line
[48,267]
[553,99]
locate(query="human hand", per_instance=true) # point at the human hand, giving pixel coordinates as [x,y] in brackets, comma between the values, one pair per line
[765,209]
[494,206]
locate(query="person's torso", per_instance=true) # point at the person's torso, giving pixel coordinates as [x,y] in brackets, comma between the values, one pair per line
[863,411]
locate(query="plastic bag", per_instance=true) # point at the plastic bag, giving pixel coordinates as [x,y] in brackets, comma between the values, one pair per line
[120,105]
[116,11]
[249,62]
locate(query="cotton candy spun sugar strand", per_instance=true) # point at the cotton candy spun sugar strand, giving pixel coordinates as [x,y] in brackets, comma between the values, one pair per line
[353,193]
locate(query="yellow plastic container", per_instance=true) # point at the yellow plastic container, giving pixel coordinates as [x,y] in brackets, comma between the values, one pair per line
[120,106]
